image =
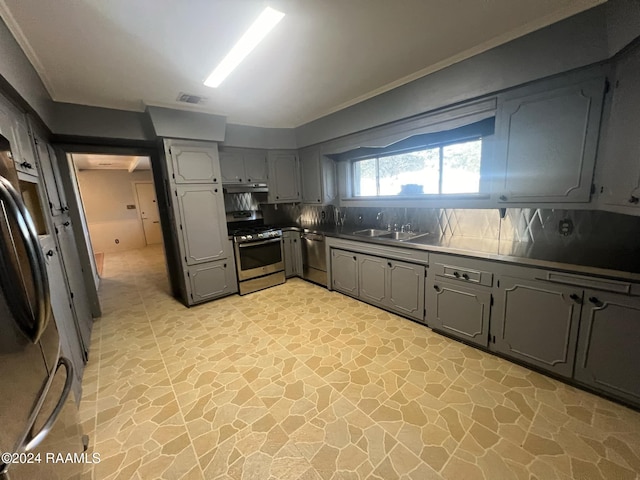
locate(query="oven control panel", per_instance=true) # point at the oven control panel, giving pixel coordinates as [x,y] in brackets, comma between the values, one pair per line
[258,236]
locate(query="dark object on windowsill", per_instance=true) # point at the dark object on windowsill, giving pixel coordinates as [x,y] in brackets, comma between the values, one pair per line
[411,189]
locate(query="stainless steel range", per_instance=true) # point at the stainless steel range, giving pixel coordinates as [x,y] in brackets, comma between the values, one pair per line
[258,251]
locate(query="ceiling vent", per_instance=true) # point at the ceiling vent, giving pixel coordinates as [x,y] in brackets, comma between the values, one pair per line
[192,99]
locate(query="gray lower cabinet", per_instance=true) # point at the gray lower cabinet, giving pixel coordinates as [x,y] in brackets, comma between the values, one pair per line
[211,280]
[405,283]
[344,272]
[292,254]
[460,310]
[373,280]
[608,354]
[390,284]
[75,280]
[537,322]
[62,310]
[201,214]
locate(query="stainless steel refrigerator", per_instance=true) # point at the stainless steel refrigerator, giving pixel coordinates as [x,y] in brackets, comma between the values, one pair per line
[39,428]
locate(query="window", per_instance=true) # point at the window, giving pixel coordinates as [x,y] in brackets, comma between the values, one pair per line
[447,168]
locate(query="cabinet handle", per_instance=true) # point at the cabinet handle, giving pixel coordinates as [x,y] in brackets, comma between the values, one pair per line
[248,180]
[66,224]
[215,180]
[224,265]
[595,301]
[634,200]
[503,198]
[215,190]
[26,165]
[575,297]
[318,200]
[436,288]
[465,276]
[389,264]
[49,253]
[277,197]
[456,274]
[354,257]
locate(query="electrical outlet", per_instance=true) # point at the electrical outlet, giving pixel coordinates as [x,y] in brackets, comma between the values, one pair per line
[565,227]
[323,215]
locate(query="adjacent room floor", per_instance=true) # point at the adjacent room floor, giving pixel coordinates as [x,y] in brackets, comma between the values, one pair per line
[296,382]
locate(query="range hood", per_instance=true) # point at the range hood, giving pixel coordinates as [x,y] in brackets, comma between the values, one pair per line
[245,188]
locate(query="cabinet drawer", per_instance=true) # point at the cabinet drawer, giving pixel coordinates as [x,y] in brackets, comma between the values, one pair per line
[453,272]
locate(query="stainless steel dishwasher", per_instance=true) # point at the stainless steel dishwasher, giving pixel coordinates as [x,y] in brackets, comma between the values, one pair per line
[314,259]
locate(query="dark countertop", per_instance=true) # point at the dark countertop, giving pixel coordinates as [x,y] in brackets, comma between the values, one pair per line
[589,260]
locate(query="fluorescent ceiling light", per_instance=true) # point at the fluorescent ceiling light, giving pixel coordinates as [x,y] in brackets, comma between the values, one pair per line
[268,19]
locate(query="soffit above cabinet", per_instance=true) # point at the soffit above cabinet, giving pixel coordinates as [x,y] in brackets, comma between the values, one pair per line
[126,55]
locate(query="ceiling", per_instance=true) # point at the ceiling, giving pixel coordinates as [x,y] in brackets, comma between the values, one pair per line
[323,56]
[110,162]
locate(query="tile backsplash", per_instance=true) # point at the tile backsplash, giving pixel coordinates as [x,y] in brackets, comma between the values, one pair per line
[595,229]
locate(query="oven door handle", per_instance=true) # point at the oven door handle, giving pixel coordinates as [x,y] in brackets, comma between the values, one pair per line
[263,242]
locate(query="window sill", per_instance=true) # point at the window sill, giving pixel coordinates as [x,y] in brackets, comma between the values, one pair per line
[432,197]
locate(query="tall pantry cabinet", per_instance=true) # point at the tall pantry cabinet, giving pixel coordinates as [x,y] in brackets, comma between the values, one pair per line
[198,222]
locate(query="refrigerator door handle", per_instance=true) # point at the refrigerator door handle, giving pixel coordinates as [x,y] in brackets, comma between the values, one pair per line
[32,442]
[15,207]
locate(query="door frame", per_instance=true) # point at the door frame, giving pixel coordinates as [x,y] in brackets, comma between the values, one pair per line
[76,208]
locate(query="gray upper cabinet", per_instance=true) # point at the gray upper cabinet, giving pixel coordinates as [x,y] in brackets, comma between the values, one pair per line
[242,166]
[194,162]
[459,310]
[255,167]
[318,177]
[284,177]
[25,158]
[201,214]
[537,322]
[608,355]
[344,272]
[55,194]
[546,142]
[621,139]
[231,167]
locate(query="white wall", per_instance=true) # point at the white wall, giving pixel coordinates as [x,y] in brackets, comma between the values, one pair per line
[105,195]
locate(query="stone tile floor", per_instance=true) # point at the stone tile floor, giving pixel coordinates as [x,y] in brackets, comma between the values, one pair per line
[296,382]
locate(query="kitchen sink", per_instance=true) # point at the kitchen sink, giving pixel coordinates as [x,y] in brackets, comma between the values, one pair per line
[402,235]
[371,232]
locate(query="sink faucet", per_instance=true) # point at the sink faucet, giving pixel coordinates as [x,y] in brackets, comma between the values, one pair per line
[406,228]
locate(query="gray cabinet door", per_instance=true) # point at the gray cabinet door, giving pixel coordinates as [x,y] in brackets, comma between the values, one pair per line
[405,284]
[56,206]
[24,156]
[621,138]
[211,280]
[292,254]
[546,144]
[537,322]
[344,272]
[75,281]
[201,219]
[311,175]
[372,273]
[459,310]
[195,163]
[61,308]
[231,167]
[608,354]
[284,183]
[255,167]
